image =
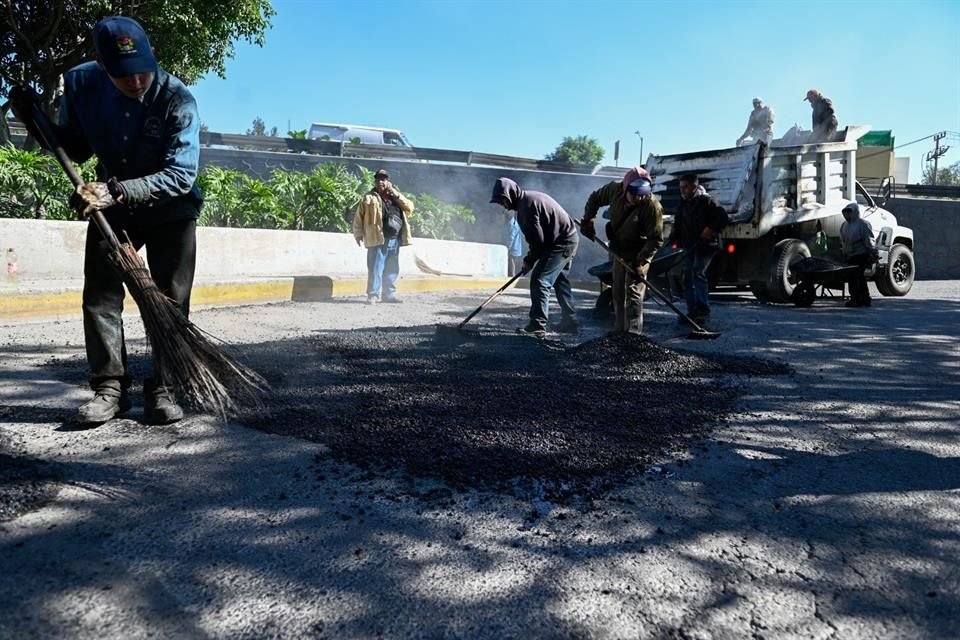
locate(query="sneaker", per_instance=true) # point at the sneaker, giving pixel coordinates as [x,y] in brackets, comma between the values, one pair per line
[393,300]
[372,300]
[106,404]
[159,404]
[533,329]
[568,325]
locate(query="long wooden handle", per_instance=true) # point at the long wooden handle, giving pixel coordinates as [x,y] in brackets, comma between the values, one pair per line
[52,143]
[490,299]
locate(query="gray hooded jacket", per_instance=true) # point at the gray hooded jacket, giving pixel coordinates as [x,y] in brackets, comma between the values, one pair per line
[542,220]
[856,235]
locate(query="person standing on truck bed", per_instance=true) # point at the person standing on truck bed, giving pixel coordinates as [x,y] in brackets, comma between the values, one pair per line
[552,237]
[824,120]
[856,236]
[760,125]
[635,232]
[696,229]
[380,224]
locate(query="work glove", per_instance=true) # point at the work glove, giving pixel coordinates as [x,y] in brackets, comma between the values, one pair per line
[587,229]
[22,101]
[93,196]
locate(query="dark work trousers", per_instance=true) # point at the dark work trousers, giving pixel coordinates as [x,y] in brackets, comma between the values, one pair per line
[859,289]
[171,258]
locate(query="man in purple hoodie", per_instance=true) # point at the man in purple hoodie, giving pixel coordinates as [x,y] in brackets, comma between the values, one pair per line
[552,237]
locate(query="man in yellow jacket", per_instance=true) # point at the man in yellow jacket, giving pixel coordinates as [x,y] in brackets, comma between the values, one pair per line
[380,224]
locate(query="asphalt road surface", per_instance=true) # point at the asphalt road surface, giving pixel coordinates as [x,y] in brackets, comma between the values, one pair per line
[798,477]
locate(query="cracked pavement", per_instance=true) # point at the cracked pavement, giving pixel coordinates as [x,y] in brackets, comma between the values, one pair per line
[827,505]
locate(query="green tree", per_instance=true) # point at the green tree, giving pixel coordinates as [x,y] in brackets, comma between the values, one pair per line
[434,218]
[299,134]
[259,128]
[41,39]
[579,150]
[946,176]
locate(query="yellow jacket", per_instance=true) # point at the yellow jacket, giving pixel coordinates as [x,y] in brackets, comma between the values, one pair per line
[368,220]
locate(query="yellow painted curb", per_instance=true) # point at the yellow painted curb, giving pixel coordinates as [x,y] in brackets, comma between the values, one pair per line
[301,289]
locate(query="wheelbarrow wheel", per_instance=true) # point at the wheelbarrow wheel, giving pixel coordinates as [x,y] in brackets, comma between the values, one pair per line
[804,294]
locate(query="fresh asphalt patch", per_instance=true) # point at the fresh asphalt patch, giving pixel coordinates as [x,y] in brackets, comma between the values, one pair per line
[498,411]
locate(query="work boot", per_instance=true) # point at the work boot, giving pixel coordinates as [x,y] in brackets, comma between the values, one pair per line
[106,404]
[534,329]
[372,300]
[159,404]
[569,324]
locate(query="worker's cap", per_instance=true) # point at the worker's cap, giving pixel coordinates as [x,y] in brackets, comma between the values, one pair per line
[381,174]
[640,187]
[853,208]
[811,94]
[123,47]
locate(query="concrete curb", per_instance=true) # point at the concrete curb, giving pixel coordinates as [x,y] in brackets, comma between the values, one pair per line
[39,300]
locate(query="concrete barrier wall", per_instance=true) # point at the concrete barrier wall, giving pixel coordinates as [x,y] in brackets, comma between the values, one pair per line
[48,249]
[936,232]
[458,184]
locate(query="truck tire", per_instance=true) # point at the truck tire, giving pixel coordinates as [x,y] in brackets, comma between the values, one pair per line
[782,281]
[897,278]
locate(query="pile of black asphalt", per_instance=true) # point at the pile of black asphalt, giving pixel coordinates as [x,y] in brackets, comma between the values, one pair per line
[495,410]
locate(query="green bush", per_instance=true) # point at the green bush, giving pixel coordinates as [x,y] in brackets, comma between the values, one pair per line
[32,185]
[434,218]
[323,200]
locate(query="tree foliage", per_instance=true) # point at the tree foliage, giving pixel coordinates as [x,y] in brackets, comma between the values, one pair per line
[41,39]
[32,185]
[946,176]
[579,150]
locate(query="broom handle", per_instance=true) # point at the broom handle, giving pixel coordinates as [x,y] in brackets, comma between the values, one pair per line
[490,299]
[52,143]
[646,282]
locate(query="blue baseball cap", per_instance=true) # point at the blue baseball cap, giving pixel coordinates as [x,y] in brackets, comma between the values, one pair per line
[640,187]
[123,47]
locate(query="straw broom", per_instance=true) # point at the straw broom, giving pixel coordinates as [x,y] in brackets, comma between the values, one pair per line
[184,355]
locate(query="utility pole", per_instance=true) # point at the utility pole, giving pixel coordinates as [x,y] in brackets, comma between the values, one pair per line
[937,152]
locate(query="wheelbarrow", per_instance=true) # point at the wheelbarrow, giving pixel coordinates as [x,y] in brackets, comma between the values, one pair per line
[817,276]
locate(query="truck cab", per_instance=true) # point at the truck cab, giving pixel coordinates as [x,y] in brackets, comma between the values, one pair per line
[778,199]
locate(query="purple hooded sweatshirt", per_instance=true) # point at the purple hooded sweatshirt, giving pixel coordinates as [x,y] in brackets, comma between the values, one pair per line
[542,220]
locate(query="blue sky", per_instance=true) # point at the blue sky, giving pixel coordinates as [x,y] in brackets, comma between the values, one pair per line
[515,77]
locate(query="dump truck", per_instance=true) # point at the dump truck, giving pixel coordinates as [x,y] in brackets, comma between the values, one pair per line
[778,199]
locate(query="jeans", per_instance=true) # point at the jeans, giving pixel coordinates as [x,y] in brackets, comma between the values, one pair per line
[171,257]
[551,271]
[383,268]
[628,291]
[697,261]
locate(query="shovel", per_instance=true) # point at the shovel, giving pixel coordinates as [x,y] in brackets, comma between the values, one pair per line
[698,333]
[459,329]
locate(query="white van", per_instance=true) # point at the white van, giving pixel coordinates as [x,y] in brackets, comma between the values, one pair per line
[348,132]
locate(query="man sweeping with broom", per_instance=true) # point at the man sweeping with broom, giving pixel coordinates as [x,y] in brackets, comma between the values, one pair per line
[143,126]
